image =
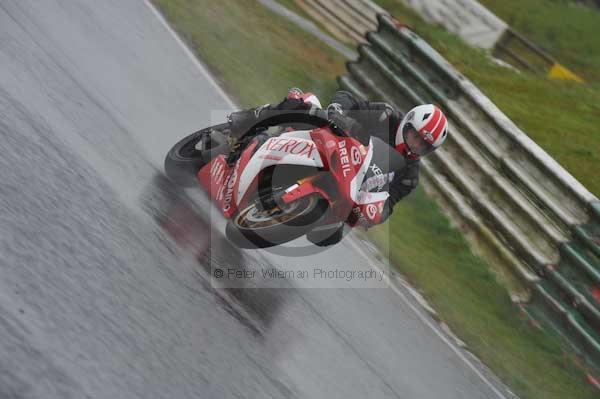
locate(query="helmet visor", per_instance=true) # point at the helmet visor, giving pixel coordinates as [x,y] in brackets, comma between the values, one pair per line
[415,142]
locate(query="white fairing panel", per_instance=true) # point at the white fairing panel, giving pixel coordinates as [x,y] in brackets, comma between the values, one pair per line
[293,148]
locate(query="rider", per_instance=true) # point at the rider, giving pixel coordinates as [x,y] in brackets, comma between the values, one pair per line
[423,129]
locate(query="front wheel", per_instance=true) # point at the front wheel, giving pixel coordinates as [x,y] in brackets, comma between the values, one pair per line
[191,153]
[254,227]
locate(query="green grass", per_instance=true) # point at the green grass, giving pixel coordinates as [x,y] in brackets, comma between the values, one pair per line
[561,117]
[257,56]
[569,32]
[254,53]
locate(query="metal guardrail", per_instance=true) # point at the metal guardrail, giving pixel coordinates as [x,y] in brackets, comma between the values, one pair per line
[493,179]
[348,20]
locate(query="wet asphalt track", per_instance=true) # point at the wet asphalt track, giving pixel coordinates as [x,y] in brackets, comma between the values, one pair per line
[105,287]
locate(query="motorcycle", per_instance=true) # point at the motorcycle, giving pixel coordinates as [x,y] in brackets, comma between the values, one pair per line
[286,182]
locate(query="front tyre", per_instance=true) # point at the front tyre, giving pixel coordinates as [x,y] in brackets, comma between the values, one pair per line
[191,153]
[254,227]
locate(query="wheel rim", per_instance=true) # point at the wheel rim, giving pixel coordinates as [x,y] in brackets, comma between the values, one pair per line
[255,218]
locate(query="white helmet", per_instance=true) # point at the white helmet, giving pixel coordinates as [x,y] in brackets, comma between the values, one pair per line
[423,129]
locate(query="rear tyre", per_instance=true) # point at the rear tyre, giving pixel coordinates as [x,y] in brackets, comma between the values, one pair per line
[191,153]
[254,227]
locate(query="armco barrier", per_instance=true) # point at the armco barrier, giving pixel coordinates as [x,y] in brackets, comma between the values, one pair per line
[348,20]
[494,180]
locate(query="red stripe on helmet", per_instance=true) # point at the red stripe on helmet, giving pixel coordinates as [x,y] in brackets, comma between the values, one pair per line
[439,128]
[401,147]
[432,122]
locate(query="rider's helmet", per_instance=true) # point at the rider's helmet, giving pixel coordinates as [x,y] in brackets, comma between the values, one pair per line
[423,129]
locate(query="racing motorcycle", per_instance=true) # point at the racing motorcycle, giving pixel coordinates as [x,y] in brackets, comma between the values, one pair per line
[286,182]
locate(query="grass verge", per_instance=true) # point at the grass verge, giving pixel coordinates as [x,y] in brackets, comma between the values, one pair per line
[257,56]
[254,54]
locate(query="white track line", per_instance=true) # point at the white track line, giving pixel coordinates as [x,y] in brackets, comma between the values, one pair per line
[427,321]
[201,67]
[418,312]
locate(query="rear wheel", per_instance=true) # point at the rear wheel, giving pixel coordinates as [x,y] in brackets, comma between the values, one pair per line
[191,153]
[254,227]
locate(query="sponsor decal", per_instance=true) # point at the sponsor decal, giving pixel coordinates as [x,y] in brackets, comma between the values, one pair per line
[217,172]
[410,116]
[358,213]
[330,144]
[355,155]
[272,157]
[229,188]
[377,181]
[215,167]
[343,152]
[292,146]
[375,169]
[220,193]
[371,211]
